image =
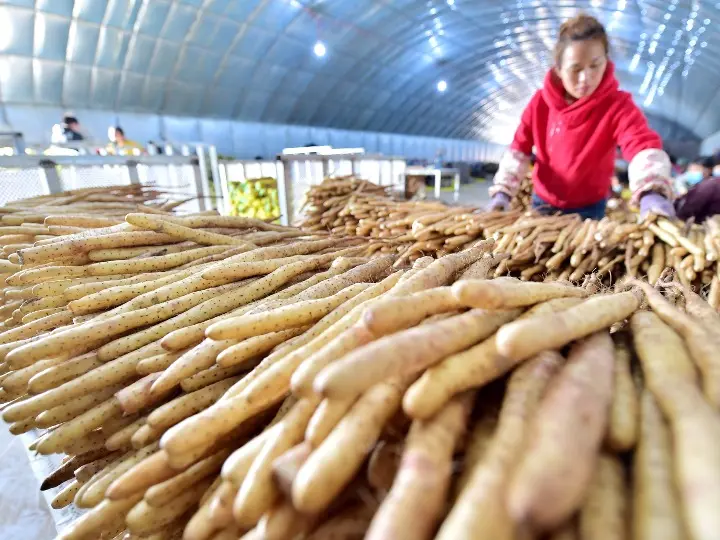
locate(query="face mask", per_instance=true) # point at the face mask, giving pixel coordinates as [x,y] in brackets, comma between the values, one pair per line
[693,177]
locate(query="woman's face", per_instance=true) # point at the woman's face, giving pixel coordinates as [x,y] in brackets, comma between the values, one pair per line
[582,67]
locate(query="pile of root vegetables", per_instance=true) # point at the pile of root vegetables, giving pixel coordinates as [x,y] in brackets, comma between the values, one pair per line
[261,383]
[411,229]
[522,200]
[323,203]
[24,222]
[567,248]
[537,247]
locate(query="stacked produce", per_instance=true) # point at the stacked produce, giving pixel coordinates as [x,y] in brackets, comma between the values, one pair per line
[565,247]
[360,208]
[538,247]
[523,198]
[256,198]
[323,203]
[261,383]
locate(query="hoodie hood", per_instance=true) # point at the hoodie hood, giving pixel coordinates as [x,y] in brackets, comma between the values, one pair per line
[554,93]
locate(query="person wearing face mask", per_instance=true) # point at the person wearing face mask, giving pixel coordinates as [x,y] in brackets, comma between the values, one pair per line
[697,170]
[701,199]
[575,122]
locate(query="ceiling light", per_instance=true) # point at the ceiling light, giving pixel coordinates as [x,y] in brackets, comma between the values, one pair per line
[442,86]
[319,49]
[450,2]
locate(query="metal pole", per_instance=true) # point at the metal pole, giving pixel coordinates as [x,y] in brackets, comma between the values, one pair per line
[438,182]
[198,169]
[133,171]
[204,186]
[52,179]
[456,186]
[19,143]
[225,190]
[214,170]
[283,199]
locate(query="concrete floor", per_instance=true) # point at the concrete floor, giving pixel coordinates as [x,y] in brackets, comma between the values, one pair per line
[475,194]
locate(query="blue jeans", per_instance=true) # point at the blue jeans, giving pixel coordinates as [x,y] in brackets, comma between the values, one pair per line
[592,211]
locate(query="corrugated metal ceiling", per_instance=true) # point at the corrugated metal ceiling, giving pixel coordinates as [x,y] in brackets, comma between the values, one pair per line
[253,59]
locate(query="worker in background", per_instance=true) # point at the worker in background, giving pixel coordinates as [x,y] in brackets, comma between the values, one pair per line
[699,169]
[575,123]
[72,130]
[68,130]
[702,198]
[122,146]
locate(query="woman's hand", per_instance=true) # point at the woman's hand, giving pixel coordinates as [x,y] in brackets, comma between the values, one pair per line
[499,202]
[654,203]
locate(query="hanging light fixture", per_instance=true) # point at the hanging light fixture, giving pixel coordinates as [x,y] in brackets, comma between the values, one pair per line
[319,49]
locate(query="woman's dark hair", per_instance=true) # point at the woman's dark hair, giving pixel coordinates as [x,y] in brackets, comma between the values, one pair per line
[706,162]
[580,28]
[119,130]
[67,120]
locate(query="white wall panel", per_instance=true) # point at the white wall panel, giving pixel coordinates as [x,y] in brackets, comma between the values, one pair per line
[274,139]
[35,122]
[96,123]
[219,133]
[181,129]
[296,136]
[245,139]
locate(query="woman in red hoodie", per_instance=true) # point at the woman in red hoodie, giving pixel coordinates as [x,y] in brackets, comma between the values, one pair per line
[574,123]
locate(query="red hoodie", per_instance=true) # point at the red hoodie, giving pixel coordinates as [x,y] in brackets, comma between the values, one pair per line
[575,144]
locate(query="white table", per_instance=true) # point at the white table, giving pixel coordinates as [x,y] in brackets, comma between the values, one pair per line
[438,174]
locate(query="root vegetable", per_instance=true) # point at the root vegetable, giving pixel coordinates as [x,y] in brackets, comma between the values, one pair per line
[74,429]
[258,492]
[656,512]
[293,315]
[389,315]
[554,475]
[624,411]
[661,351]
[556,330]
[440,271]
[604,514]
[480,509]
[144,519]
[408,352]
[414,505]
[237,465]
[333,464]
[286,467]
[502,294]
[699,342]
[326,417]
[245,352]
[163,493]
[184,406]
[695,428]
[57,375]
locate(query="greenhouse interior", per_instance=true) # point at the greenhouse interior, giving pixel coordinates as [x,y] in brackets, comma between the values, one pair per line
[359,269]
